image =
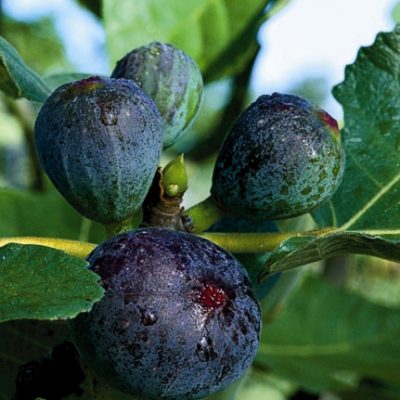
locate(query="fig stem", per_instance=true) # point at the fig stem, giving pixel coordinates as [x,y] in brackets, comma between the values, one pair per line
[233,242]
[118,227]
[204,214]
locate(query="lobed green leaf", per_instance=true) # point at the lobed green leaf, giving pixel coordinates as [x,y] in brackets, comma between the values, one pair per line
[329,339]
[17,79]
[366,208]
[38,282]
[303,250]
[369,196]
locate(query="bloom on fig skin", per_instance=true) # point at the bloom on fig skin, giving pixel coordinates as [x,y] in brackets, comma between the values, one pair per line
[281,158]
[99,140]
[171,78]
[179,319]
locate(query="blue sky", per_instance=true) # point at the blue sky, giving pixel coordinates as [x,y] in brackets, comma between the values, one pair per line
[317,38]
[309,38]
[83,37]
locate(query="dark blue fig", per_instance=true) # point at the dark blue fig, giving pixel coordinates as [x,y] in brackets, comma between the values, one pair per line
[281,158]
[99,140]
[171,78]
[179,319]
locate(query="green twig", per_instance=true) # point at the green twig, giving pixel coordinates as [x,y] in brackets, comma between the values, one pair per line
[204,214]
[118,227]
[233,242]
[84,230]
[248,242]
[256,242]
[72,247]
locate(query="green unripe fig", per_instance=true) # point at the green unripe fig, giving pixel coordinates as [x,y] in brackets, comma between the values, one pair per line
[171,78]
[281,158]
[99,140]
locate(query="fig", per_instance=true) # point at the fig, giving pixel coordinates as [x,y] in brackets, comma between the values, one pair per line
[171,78]
[99,140]
[46,377]
[282,157]
[179,319]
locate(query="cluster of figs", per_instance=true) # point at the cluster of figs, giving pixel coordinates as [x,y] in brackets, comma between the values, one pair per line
[179,318]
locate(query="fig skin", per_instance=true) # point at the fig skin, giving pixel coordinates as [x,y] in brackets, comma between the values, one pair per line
[281,158]
[99,140]
[179,319]
[171,78]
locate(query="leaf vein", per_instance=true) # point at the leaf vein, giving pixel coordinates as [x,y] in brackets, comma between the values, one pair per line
[362,168]
[370,203]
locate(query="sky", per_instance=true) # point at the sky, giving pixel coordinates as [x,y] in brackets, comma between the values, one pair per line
[84,47]
[317,38]
[307,39]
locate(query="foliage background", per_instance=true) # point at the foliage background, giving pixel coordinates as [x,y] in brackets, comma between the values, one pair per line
[336,334]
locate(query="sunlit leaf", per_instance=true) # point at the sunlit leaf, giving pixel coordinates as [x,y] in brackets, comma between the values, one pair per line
[369,197]
[220,35]
[366,208]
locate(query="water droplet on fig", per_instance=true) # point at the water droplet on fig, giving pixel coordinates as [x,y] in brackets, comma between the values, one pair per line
[148,317]
[154,51]
[261,123]
[205,350]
